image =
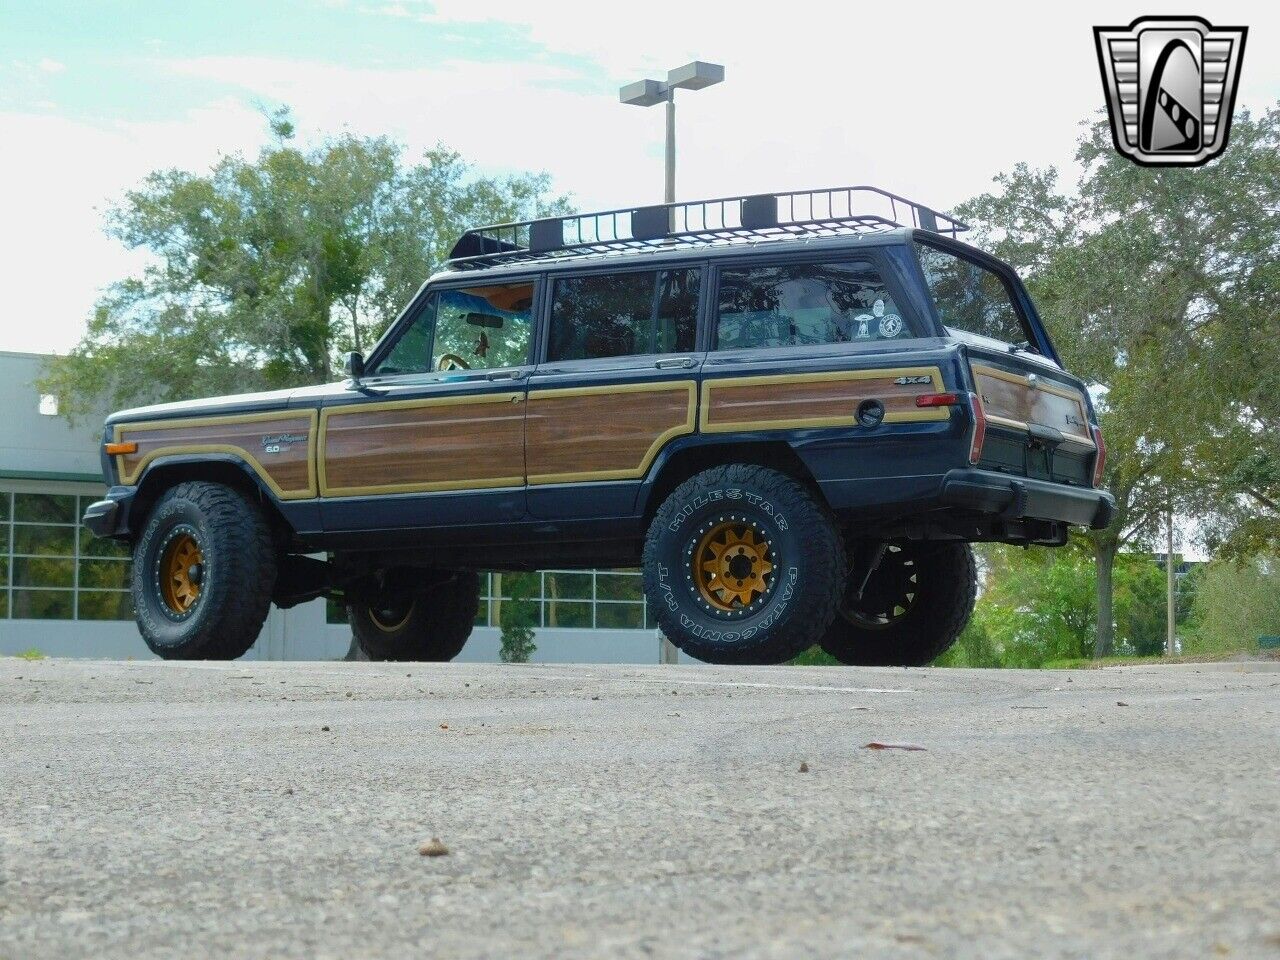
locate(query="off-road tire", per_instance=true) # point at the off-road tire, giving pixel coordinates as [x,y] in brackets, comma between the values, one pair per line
[432,624]
[238,573]
[808,566]
[945,589]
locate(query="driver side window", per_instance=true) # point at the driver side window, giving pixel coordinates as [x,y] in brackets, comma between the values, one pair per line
[481,328]
[475,328]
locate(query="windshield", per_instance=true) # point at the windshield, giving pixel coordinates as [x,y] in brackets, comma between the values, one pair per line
[972,298]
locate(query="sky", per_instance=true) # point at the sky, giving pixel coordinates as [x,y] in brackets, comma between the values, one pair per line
[929,100]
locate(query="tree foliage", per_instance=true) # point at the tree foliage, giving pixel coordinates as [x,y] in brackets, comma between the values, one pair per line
[1038,605]
[1235,603]
[261,272]
[1160,288]
[516,639]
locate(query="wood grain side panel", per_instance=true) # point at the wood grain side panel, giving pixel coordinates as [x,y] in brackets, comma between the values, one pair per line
[1008,398]
[410,446]
[604,433]
[278,447]
[815,400]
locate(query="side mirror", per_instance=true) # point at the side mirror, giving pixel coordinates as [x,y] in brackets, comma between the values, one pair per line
[354,366]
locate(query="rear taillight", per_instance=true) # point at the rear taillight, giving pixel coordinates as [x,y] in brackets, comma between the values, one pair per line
[1100,461]
[979,428]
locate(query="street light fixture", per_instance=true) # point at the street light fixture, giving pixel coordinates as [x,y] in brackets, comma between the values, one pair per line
[648,93]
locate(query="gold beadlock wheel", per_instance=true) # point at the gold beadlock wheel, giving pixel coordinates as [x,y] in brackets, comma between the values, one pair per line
[732,565]
[181,571]
[391,616]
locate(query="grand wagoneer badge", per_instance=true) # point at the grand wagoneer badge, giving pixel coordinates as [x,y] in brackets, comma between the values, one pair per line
[275,442]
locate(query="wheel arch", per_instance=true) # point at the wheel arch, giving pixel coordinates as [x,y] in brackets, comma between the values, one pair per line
[166,473]
[678,462]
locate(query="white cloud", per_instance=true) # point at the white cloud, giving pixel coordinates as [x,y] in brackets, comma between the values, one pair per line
[47,65]
[54,255]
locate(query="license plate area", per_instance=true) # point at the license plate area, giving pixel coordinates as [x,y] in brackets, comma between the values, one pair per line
[1020,455]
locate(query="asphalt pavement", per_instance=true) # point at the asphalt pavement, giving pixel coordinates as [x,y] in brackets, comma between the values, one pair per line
[277,810]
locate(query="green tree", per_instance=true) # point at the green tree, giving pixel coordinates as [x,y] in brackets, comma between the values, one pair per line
[517,644]
[1140,597]
[261,273]
[1038,605]
[1160,288]
[1235,603]
[978,644]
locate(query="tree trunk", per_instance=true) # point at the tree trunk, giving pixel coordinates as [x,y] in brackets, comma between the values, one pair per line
[1104,639]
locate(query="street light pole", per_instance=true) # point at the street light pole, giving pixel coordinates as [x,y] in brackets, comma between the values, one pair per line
[669,193]
[650,93]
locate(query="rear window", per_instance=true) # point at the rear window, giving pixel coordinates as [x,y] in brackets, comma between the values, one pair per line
[802,304]
[970,297]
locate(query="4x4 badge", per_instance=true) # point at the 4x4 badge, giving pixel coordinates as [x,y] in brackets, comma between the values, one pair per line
[904,381]
[1170,84]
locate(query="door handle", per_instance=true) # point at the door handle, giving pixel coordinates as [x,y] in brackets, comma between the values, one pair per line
[675,363]
[505,375]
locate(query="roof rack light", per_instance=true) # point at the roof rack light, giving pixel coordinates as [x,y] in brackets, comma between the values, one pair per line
[834,211]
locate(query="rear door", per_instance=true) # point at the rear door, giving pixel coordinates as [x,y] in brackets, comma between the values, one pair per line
[1037,420]
[1038,417]
[801,341]
[617,380]
[434,434]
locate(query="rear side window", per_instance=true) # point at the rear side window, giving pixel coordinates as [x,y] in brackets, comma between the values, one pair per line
[970,297]
[623,314]
[802,304]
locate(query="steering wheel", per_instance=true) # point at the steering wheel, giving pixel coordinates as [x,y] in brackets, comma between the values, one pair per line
[451,361]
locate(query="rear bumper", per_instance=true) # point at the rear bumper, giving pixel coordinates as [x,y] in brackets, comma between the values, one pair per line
[110,517]
[1020,497]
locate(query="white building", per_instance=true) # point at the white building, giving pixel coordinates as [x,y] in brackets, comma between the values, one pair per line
[65,593]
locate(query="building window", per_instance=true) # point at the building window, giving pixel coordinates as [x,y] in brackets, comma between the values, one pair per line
[558,599]
[335,611]
[51,568]
[567,599]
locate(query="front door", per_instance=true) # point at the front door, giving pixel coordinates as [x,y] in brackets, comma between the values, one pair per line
[617,382]
[434,433]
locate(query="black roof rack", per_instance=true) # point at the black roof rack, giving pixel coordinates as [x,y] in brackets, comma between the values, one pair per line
[837,211]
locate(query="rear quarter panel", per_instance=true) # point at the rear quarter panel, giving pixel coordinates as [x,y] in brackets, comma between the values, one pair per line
[808,398]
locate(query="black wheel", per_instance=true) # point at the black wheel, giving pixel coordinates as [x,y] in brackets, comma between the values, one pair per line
[203,572]
[423,621]
[913,606]
[743,565]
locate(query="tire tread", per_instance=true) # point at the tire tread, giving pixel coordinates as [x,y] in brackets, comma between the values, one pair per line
[243,597]
[435,633]
[914,643]
[815,528]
